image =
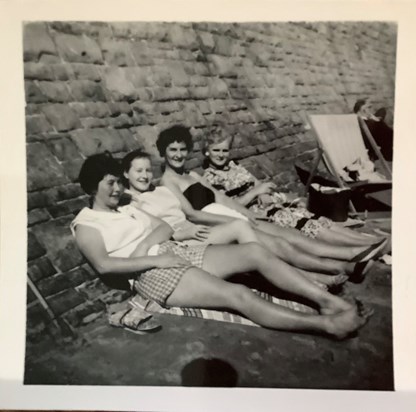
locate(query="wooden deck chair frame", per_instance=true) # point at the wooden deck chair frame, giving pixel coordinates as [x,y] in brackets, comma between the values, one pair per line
[345,130]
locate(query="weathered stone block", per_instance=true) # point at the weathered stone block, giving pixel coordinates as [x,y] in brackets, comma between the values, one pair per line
[218,89]
[129,142]
[92,141]
[36,321]
[93,289]
[62,281]
[85,313]
[61,116]
[120,87]
[93,109]
[207,40]
[91,122]
[182,37]
[86,90]
[84,71]
[117,108]
[55,91]
[37,216]
[117,53]
[162,77]
[56,238]
[37,124]
[40,268]
[72,168]
[122,121]
[223,45]
[50,196]
[82,49]
[64,301]
[34,249]
[141,54]
[37,71]
[146,136]
[33,93]
[92,28]
[43,170]
[61,71]
[173,93]
[180,78]
[36,41]
[68,207]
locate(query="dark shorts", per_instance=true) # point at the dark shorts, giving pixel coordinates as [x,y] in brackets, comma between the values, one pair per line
[158,284]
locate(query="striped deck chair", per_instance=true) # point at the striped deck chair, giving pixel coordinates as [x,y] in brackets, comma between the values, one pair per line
[340,144]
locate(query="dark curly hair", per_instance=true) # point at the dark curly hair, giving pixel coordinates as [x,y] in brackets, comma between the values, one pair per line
[177,133]
[359,104]
[95,168]
[127,160]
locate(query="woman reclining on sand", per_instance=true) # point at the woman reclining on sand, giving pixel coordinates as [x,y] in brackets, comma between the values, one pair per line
[161,202]
[137,247]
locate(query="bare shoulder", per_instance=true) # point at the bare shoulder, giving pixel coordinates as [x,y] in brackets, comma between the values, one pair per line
[195,175]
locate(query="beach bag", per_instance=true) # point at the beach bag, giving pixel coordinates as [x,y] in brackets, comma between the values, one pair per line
[331,202]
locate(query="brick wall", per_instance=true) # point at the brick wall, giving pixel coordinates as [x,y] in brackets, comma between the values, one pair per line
[113,86]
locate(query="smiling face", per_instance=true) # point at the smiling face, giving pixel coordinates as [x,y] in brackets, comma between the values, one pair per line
[219,153]
[108,192]
[175,155]
[140,174]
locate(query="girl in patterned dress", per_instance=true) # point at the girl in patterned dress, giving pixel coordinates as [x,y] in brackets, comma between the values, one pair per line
[137,247]
[204,204]
[263,199]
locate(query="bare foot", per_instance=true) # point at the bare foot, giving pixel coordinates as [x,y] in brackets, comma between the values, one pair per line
[343,324]
[329,280]
[335,305]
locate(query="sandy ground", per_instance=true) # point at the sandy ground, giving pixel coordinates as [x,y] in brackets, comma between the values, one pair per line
[199,352]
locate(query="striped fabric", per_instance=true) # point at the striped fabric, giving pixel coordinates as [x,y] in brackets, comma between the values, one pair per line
[138,302]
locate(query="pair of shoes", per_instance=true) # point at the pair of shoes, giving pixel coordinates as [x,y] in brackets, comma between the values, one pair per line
[134,320]
[360,270]
[371,252]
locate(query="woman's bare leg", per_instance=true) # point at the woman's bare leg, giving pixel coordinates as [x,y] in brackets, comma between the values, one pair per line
[327,280]
[226,260]
[198,288]
[338,235]
[301,259]
[312,246]
[236,231]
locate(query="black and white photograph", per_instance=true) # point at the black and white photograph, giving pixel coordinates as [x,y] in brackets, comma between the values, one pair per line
[209,199]
[209,203]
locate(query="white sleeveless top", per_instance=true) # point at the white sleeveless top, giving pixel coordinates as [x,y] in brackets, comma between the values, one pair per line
[121,232]
[161,203]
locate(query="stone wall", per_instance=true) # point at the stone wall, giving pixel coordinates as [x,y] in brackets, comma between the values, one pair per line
[92,87]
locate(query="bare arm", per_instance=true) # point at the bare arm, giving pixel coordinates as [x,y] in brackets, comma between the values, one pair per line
[193,215]
[161,232]
[91,245]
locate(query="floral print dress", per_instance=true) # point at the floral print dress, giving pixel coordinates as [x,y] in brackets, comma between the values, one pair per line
[235,180]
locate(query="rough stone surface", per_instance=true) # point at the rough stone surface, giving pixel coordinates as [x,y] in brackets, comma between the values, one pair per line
[36,41]
[56,238]
[44,170]
[92,87]
[82,49]
[62,117]
[40,268]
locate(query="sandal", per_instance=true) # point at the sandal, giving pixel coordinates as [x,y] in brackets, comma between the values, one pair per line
[371,252]
[134,320]
[360,270]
